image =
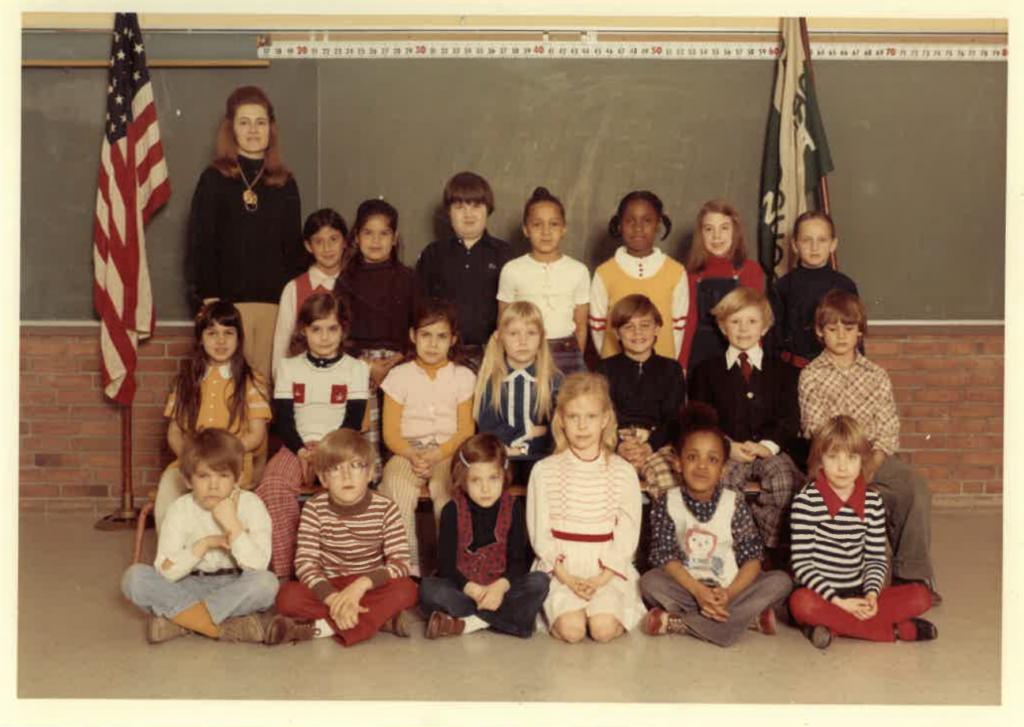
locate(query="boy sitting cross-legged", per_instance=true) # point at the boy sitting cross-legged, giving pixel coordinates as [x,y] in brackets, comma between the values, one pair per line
[210,576]
[352,556]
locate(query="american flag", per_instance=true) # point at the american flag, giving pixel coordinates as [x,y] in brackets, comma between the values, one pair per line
[133,184]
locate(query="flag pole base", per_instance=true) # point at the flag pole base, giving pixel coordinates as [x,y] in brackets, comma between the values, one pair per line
[120,520]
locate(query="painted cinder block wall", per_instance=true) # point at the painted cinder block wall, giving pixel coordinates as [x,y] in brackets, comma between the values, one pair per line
[948,383]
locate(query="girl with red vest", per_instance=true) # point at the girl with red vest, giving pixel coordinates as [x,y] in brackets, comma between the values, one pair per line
[483,579]
[324,236]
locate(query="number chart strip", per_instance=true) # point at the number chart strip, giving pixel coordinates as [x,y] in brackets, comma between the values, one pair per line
[315,48]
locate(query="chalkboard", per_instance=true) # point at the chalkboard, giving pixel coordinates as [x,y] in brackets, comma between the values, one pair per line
[918,192]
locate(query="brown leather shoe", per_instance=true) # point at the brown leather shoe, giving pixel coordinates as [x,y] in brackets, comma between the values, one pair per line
[441,624]
[251,628]
[397,625]
[285,628]
[160,629]
[660,622]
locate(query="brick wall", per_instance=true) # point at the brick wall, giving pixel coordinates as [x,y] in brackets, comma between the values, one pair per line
[948,384]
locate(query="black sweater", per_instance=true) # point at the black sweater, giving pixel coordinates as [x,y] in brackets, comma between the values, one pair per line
[647,394]
[518,557]
[237,255]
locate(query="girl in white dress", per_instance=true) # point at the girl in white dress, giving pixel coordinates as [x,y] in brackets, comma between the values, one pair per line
[583,515]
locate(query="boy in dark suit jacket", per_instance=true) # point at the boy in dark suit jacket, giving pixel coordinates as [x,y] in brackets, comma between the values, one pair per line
[757,404]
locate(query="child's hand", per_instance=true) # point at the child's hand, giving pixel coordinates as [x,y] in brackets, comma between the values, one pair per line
[225,513]
[421,467]
[872,608]
[857,607]
[204,545]
[759,450]
[708,602]
[741,452]
[600,580]
[579,586]
[493,595]
[536,430]
[345,605]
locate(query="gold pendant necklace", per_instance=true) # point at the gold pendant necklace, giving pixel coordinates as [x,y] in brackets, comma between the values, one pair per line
[249,197]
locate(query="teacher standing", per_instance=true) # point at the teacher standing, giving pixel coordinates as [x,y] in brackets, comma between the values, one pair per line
[245,228]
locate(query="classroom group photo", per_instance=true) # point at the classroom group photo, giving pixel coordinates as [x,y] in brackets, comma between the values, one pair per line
[494,437]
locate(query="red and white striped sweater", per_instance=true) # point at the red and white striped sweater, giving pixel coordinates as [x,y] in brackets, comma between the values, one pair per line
[366,538]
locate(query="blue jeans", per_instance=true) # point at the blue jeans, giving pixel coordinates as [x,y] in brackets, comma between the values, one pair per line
[516,615]
[225,596]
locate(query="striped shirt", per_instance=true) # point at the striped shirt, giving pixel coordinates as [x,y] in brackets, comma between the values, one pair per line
[840,553]
[862,391]
[342,540]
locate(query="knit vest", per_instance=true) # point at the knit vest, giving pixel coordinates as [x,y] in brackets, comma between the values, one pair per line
[303,289]
[487,564]
[708,546]
[658,288]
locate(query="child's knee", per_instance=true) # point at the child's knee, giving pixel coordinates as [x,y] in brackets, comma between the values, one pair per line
[605,628]
[571,627]
[406,592]
[803,604]
[290,596]
[264,586]
[133,578]
[535,586]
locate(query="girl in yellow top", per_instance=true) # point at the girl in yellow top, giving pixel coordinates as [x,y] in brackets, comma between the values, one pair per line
[205,395]
[428,414]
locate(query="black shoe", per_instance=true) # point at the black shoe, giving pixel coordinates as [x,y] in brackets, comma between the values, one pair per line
[925,629]
[820,636]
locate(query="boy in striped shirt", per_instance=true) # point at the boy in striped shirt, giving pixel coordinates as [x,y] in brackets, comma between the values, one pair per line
[838,542]
[352,556]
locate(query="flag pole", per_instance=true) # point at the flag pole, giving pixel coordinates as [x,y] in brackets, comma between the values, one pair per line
[127,516]
[823,196]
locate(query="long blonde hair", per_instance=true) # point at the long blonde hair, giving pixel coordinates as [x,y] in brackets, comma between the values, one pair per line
[585,384]
[494,367]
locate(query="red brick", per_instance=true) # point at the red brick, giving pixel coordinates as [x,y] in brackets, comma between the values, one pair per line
[37,412]
[39,396]
[905,379]
[56,365]
[922,441]
[882,348]
[79,396]
[102,410]
[895,364]
[985,395]
[29,381]
[995,424]
[108,476]
[994,488]
[976,442]
[949,395]
[39,491]
[982,457]
[973,488]
[110,459]
[67,381]
[993,347]
[148,413]
[85,491]
[960,378]
[63,426]
[73,505]
[88,365]
[937,364]
[49,474]
[157,364]
[924,348]
[986,378]
[96,444]
[927,426]
[983,363]
[936,457]
[38,444]
[58,460]
[923,411]
[44,347]
[108,427]
[152,349]
[932,473]
[976,410]
[966,424]
[84,348]
[944,487]
[179,349]
[974,472]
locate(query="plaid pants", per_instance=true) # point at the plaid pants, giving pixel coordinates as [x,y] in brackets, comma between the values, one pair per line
[779,478]
[279,489]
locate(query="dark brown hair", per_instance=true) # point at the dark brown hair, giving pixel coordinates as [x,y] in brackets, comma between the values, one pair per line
[317,307]
[433,310]
[225,159]
[483,447]
[698,257]
[541,194]
[367,209]
[468,187]
[218,449]
[634,306]
[699,417]
[839,305]
[342,445]
[189,381]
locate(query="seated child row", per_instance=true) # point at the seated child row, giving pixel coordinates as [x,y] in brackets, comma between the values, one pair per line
[430,404]
[582,517]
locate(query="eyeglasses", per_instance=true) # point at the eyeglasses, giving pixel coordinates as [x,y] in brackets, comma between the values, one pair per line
[351,467]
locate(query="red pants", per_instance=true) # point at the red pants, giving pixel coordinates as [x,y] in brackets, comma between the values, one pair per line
[296,599]
[279,489]
[895,605]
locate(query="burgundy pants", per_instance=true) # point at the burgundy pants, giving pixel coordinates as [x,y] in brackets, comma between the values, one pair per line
[895,605]
[296,599]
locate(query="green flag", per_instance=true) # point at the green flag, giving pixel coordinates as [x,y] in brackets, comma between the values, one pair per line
[796,154]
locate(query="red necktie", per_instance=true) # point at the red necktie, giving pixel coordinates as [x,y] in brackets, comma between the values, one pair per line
[745,367]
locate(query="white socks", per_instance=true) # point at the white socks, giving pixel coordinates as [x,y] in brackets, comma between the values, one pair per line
[323,629]
[474,623]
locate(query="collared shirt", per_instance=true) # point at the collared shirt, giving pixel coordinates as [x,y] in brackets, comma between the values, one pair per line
[862,391]
[288,310]
[468,277]
[187,522]
[856,500]
[756,357]
[429,404]
[556,288]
